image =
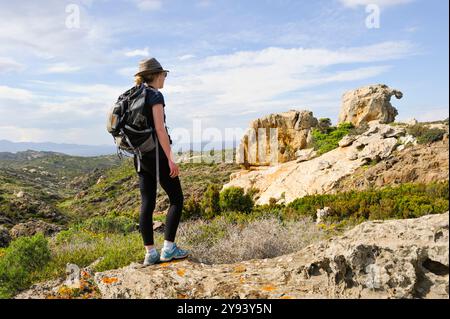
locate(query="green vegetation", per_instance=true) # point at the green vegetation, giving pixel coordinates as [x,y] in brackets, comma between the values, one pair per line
[211,201]
[408,200]
[326,139]
[425,134]
[20,261]
[233,198]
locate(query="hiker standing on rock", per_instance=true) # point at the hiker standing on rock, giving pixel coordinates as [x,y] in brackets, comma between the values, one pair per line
[153,76]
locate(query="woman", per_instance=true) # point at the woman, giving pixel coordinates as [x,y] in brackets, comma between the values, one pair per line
[153,76]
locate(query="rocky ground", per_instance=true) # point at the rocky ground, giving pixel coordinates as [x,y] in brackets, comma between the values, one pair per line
[377,259]
[417,163]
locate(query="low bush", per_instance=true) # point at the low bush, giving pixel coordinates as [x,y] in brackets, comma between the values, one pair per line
[210,203]
[19,261]
[424,134]
[408,200]
[234,199]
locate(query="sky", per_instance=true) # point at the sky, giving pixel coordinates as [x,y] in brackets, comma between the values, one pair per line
[64,63]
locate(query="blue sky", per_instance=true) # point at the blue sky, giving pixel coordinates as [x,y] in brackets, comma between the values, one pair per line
[230,61]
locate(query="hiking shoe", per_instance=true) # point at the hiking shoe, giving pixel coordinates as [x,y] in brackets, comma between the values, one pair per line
[174,253]
[151,258]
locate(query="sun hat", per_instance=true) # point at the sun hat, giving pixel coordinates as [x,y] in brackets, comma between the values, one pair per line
[148,66]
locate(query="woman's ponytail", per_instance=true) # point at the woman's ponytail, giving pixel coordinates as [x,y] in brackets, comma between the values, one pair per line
[138,79]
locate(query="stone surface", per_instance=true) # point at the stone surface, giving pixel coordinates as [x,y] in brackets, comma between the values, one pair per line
[288,181]
[367,104]
[305,154]
[33,227]
[413,163]
[321,213]
[377,259]
[276,138]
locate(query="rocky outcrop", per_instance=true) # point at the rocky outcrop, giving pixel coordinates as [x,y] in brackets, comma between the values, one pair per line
[369,103]
[33,227]
[410,163]
[377,259]
[288,181]
[276,138]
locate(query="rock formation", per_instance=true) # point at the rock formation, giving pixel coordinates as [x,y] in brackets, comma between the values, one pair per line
[377,259]
[276,138]
[288,181]
[369,103]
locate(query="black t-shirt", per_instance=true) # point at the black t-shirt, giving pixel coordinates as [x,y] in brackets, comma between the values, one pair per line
[154,97]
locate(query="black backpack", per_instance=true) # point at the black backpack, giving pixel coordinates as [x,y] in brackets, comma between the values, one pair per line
[127,122]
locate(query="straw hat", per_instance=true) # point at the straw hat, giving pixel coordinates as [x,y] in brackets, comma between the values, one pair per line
[148,66]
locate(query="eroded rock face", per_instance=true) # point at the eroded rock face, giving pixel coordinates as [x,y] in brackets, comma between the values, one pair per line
[369,103]
[288,181]
[377,259]
[291,129]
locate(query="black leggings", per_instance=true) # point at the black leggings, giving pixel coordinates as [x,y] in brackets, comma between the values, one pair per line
[147,186]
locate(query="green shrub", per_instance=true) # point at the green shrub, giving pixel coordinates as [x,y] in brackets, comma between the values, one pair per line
[425,134]
[233,198]
[408,200]
[210,202]
[109,224]
[324,125]
[24,256]
[191,209]
[324,142]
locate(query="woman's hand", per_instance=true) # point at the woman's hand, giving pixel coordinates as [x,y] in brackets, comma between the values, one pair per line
[174,170]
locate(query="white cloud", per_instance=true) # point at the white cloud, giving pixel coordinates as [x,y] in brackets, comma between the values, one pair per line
[148,5]
[223,84]
[381,3]
[9,65]
[15,94]
[61,68]
[186,57]
[143,52]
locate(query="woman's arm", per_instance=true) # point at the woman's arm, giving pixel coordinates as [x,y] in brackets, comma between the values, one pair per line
[158,119]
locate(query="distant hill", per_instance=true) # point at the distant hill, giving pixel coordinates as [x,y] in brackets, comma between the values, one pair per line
[96,150]
[69,149]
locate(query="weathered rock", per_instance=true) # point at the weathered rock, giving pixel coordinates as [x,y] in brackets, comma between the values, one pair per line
[276,138]
[20,194]
[288,181]
[369,103]
[5,238]
[377,259]
[418,163]
[33,227]
[158,226]
[321,213]
[305,155]
[347,140]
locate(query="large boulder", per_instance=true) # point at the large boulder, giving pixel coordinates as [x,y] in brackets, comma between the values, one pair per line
[377,259]
[369,103]
[276,138]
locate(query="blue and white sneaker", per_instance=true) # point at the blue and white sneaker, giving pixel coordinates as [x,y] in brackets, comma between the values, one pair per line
[174,253]
[151,258]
